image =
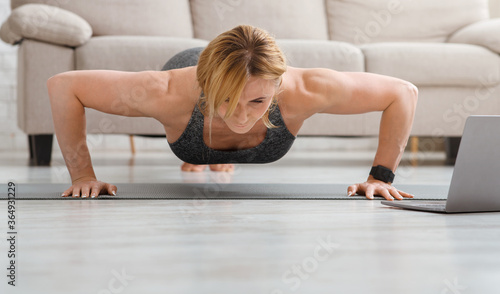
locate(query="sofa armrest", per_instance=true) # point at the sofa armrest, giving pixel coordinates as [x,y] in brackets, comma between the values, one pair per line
[47,24]
[485,33]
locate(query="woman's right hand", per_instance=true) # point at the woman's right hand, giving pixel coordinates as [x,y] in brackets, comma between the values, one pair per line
[89,187]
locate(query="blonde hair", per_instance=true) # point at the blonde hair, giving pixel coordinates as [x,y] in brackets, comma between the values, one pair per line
[229,60]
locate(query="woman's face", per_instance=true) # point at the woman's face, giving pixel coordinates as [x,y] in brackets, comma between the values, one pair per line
[252,105]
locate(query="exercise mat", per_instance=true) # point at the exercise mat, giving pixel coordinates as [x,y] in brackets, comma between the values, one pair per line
[171,191]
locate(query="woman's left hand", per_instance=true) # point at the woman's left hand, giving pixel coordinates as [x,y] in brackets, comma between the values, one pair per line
[371,188]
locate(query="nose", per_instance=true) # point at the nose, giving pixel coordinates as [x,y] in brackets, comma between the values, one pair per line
[240,114]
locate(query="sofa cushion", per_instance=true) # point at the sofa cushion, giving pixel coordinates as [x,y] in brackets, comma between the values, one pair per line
[9,36]
[432,64]
[285,19]
[361,21]
[483,33]
[129,17]
[131,53]
[48,24]
[328,54]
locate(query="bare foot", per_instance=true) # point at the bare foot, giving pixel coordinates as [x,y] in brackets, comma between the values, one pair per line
[222,167]
[188,167]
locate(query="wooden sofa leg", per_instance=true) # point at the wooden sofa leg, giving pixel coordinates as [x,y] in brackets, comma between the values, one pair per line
[132,144]
[40,149]
[414,151]
[451,145]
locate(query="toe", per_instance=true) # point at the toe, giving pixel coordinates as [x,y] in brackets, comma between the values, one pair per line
[188,167]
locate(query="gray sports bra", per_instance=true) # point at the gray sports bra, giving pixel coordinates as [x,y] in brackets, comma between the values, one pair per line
[191,148]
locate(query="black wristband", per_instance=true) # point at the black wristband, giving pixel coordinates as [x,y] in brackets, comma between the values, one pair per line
[382,173]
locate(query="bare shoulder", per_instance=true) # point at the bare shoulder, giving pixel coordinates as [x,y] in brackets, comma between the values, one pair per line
[305,88]
[174,93]
[321,90]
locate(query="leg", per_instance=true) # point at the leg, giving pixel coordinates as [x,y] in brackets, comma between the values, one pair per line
[182,59]
[40,149]
[451,147]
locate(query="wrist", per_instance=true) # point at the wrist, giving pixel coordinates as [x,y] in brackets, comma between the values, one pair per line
[382,173]
[83,179]
[82,174]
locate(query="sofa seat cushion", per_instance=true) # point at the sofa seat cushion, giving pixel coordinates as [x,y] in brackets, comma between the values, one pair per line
[432,64]
[328,54]
[131,53]
[285,19]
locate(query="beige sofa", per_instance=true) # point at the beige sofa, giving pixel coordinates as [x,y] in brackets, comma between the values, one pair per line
[448,48]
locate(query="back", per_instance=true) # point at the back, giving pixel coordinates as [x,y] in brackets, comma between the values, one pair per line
[474,185]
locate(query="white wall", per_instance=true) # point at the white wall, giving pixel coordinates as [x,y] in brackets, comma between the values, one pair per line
[10,136]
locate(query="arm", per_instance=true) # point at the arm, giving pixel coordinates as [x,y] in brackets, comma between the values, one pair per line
[353,93]
[120,93]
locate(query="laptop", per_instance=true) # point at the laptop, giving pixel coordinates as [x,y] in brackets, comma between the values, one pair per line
[474,184]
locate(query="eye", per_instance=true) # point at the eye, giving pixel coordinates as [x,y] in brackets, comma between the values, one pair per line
[259,100]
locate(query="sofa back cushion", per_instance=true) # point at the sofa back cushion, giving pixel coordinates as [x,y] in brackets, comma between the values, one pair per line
[285,19]
[129,17]
[361,21]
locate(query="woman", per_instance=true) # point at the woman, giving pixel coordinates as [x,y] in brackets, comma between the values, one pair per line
[240,104]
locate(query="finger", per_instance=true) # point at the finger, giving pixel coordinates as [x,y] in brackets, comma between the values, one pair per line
[112,189]
[85,191]
[68,192]
[385,193]
[394,192]
[369,192]
[76,191]
[404,194]
[351,190]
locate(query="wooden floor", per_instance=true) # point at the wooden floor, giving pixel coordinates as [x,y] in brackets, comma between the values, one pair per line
[252,246]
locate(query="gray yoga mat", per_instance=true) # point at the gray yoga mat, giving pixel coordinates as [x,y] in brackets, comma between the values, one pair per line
[218,191]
